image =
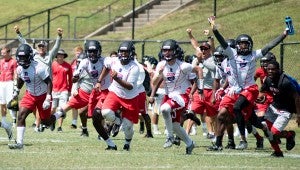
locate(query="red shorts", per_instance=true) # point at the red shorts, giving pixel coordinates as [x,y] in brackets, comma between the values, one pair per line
[95,98]
[32,102]
[103,95]
[199,106]
[262,107]
[80,100]
[176,116]
[250,93]
[129,107]
[142,102]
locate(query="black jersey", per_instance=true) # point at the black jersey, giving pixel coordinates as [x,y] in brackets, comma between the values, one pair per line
[283,93]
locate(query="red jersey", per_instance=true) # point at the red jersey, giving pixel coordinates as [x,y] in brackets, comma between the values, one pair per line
[7,69]
[62,76]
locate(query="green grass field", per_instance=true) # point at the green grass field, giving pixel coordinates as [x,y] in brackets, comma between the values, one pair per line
[68,150]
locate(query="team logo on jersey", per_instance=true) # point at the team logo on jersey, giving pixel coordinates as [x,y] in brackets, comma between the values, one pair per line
[170,76]
[94,73]
[26,78]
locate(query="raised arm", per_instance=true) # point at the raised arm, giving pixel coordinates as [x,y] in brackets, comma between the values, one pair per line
[273,43]
[217,34]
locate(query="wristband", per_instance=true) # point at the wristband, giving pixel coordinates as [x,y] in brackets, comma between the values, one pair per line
[200,84]
[48,97]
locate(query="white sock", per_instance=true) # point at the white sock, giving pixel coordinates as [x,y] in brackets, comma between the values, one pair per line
[13,114]
[74,121]
[155,127]
[204,127]
[20,134]
[3,119]
[109,142]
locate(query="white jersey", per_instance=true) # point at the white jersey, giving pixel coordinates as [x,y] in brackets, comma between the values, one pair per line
[129,73]
[224,71]
[34,77]
[93,70]
[176,76]
[141,78]
[242,68]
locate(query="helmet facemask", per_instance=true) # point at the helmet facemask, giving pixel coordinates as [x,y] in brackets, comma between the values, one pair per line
[24,61]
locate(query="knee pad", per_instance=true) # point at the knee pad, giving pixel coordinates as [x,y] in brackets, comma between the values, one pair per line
[165,108]
[108,114]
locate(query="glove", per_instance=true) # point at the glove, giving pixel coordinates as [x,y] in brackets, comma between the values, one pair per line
[219,94]
[47,102]
[234,90]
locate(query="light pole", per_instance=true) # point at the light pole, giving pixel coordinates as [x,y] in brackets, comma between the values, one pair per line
[133,15]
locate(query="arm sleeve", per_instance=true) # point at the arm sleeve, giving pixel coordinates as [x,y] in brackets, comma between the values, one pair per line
[54,50]
[272,44]
[220,38]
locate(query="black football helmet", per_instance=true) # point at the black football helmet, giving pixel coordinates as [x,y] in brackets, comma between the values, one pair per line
[93,50]
[266,59]
[129,47]
[24,55]
[172,45]
[145,58]
[248,40]
[231,43]
[219,55]
[189,58]
[153,61]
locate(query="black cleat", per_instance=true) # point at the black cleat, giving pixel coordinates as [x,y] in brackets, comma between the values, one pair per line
[290,141]
[59,129]
[126,147]
[111,148]
[72,126]
[214,148]
[176,141]
[84,133]
[277,154]
[230,145]
[149,135]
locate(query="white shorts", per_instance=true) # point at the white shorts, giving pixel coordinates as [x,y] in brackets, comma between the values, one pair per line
[6,91]
[59,98]
[279,118]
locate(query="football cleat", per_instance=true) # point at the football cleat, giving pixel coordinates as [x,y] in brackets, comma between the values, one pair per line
[290,141]
[189,149]
[243,145]
[277,154]
[111,147]
[169,142]
[214,148]
[84,133]
[15,146]
[126,147]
